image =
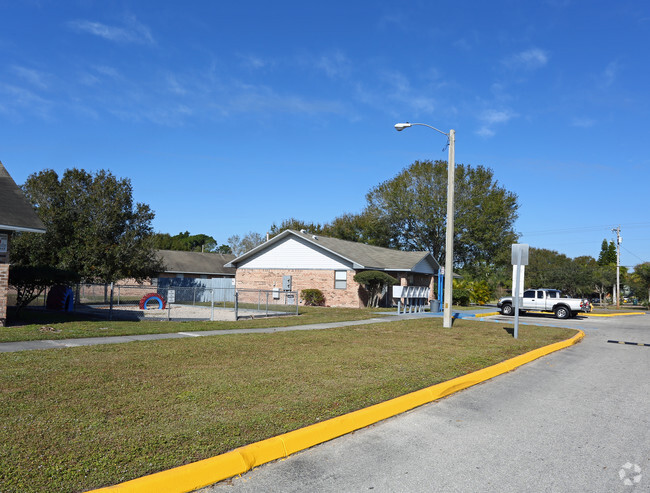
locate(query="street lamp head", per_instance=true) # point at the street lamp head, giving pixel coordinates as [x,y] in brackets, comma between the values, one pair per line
[401,126]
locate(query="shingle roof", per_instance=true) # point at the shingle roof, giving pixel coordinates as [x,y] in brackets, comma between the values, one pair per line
[362,255]
[178,262]
[16,213]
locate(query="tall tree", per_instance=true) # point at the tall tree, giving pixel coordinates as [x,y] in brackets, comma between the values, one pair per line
[240,246]
[607,255]
[296,225]
[642,276]
[414,206]
[93,227]
[367,227]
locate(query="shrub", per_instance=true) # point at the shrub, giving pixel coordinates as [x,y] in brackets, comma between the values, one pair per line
[30,281]
[374,281]
[312,297]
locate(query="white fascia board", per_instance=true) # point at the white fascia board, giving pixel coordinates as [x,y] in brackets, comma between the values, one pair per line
[201,273]
[22,230]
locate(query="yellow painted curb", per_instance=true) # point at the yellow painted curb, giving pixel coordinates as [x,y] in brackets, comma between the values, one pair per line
[209,471]
[613,314]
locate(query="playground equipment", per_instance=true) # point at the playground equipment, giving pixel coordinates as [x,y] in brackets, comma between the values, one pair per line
[60,298]
[152,299]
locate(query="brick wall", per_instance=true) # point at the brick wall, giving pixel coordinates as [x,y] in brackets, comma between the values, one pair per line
[354,296]
[4,289]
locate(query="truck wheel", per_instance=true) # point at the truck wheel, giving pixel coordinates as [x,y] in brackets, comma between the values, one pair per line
[507,309]
[562,312]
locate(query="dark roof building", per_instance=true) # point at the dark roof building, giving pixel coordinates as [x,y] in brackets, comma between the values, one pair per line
[196,264]
[297,260]
[16,213]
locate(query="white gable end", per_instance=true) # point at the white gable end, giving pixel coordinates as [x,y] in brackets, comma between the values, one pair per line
[423,267]
[292,253]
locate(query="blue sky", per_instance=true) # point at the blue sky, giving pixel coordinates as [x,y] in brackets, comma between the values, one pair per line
[230,116]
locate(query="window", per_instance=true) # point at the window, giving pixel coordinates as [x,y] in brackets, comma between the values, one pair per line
[340,279]
[529,294]
[540,294]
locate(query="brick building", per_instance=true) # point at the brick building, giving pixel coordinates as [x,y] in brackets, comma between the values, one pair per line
[16,214]
[307,261]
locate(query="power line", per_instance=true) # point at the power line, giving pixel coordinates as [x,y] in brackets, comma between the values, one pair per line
[583,229]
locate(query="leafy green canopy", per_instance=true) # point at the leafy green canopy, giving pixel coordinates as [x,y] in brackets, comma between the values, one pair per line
[607,254]
[93,227]
[188,243]
[414,207]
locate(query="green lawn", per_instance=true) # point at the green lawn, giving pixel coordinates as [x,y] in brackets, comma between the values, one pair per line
[79,418]
[36,325]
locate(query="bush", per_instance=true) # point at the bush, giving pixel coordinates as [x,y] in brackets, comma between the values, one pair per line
[461,297]
[30,281]
[312,297]
[466,292]
[374,281]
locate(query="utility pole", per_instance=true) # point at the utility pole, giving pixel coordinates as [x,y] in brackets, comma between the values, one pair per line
[617,230]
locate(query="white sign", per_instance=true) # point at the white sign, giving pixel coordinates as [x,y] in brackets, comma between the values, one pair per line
[171,296]
[519,254]
[4,242]
[521,280]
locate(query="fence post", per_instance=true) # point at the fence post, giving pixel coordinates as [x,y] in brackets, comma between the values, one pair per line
[110,306]
[194,296]
[212,309]
[267,302]
[118,295]
[236,306]
[296,298]
[169,307]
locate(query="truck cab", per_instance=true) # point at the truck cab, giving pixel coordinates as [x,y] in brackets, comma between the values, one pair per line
[545,300]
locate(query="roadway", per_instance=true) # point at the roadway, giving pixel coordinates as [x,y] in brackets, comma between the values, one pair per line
[574,421]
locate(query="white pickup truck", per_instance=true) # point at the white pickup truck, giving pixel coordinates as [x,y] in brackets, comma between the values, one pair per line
[545,300]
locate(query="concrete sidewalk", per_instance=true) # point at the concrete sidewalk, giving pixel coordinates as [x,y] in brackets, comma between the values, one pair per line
[9,347]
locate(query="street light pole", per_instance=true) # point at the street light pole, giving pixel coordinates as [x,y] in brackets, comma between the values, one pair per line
[449,245]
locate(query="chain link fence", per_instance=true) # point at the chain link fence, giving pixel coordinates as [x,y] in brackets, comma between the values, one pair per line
[181,303]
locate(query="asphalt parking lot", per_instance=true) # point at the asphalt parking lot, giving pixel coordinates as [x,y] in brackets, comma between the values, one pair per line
[574,421]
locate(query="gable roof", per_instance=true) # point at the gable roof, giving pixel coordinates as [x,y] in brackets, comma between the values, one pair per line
[179,262]
[16,213]
[361,256]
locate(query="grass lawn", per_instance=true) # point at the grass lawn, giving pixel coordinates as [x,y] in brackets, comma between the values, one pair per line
[68,326]
[74,419]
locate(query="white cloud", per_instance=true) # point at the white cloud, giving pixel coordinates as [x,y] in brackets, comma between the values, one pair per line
[334,65]
[106,70]
[255,62]
[610,74]
[19,100]
[175,86]
[492,117]
[530,59]
[583,122]
[33,77]
[131,32]
[485,132]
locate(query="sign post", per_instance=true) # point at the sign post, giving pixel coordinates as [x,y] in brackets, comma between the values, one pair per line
[519,258]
